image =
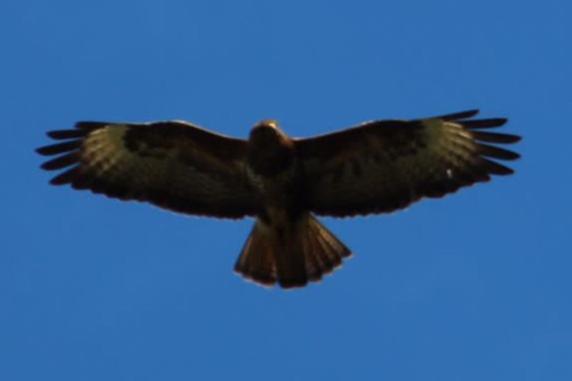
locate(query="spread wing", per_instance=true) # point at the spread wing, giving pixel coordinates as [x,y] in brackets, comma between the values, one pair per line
[383,166]
[174,165]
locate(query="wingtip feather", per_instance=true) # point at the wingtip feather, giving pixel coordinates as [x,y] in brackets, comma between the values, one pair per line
[485,123]
[459,115]
[58,148]
[497,153]
[89,126]
[493,137]
[60,162]
[66,134]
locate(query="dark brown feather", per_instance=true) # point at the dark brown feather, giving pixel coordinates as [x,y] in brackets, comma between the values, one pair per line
[484,123]
[496,168]
[495,137]
[61,162]
[497,153]
[55,149]
[459,115]
[66,177]
[88,126]
[66,134]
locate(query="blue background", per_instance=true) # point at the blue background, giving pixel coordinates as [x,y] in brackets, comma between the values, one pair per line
[473,287]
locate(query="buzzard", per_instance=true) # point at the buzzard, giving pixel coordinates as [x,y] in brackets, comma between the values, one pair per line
[376,167]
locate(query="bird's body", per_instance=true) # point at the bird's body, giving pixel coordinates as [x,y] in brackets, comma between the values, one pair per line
[272,169]
[376,167]
[284,245]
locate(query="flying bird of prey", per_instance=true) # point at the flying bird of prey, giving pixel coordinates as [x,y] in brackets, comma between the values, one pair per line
[376,167]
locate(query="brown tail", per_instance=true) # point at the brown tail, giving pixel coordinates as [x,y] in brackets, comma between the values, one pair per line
[292,257]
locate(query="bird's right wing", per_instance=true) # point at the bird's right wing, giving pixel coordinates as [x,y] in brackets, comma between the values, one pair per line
[383,166]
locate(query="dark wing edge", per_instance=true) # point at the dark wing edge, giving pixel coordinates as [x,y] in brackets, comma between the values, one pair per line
[85,163]
[479,153]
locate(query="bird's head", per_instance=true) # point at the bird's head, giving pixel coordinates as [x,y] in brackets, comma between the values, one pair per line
[270,149]
[266,132]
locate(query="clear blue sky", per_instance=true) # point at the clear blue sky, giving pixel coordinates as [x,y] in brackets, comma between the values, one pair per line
[472,287]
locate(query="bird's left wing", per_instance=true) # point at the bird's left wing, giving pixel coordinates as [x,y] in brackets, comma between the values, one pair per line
[383,166]
[174,165]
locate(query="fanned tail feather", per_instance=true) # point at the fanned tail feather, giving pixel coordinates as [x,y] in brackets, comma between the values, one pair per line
[290,257]
[256,261]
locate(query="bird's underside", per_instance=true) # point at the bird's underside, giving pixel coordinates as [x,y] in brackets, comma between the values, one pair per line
[376,167]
